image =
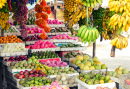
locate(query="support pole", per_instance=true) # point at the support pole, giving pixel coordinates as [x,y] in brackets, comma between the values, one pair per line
[94,49]
[113,51]
[101,38]
[55,9]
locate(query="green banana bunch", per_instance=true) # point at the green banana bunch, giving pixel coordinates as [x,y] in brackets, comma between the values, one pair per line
[91,3]
[88,34]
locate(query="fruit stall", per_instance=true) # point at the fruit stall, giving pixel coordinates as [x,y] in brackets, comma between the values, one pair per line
[37,52]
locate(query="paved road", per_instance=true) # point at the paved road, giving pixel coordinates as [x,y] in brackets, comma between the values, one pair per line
[103,49]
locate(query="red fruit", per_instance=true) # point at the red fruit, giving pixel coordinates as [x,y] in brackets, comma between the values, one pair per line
[36,75]
[21,76]
[37,71]
[31,72]
[30,76]
[48,12]
[21,72]
[25,73]
[40,72]
[40,75]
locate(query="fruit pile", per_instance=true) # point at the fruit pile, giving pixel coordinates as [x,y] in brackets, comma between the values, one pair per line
[17,58]
[35,81]
[30,74]
[95,78]
[14,47]
[64,36]
[118,71]
[59,30]
[33,30]
[71,55]
[88,34]
[11,29]
[43,68]
[32,38]
[70,45]
[30,64]
[42,44]
[10,39]
[85,63]
[58,71]
[54,22]
[63,79]
[41,16]
[54,63]
[98,19]
[45,55]
[120,42]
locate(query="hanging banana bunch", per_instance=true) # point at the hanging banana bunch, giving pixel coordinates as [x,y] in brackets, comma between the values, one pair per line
[120,42]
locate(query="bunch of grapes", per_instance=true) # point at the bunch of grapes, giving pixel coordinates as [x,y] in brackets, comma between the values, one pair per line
[21,15]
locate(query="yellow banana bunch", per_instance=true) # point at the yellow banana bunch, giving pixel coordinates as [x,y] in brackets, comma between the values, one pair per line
[3,20]
[121,21]
[75,17]
[120,42]
[106,36]
[71,5]
[119,6]
[119,0]
[2,3]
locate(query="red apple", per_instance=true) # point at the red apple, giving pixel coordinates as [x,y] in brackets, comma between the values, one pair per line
[26,76]
[21,72]
[31,72]
[37,71]
[25,73]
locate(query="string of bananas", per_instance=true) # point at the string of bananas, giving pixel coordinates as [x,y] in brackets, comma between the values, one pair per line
[88,34]
[119,0]
[91,3]
[107,34]
[118,6]
[120,42]
[71,5]
[75,17]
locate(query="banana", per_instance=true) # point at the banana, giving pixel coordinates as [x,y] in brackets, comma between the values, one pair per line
[89,35]
[86,35]
[83,33]
[81,29]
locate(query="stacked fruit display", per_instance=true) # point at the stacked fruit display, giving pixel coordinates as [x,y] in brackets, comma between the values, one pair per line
[58,71]
[35,81]
[85,63]
[30,74]
[45,55]
[33,30]
[59,30]
[120,42]
[17,58]
[66,80]
[32,38]
[71,55]
[70,45]
[120,70]
[30,64]
[54,22]
[64,36]
[42,44]
[88,34]
[43,68]
[54,63]
[14,47]
[10,39]
[94,78]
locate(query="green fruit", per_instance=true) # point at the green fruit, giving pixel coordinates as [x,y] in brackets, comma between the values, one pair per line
[96,82]
[44,82]
[97,67]
[40,80]
[32,81]
[81,74]
[56,67]
[77,62]
[114,74]
[36,78]
[47,84]
[31,85]
[102,78]
[107,78]
[95,59]
[110,73]
[59,73]
[48,81]
[90,83]
[103,66]
[98,76]
[125,71]
[84,61]
[86,76]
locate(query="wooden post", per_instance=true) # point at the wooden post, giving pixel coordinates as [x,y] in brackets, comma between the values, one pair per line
[94,49]
[101,38]
[113,51]
[55,9]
